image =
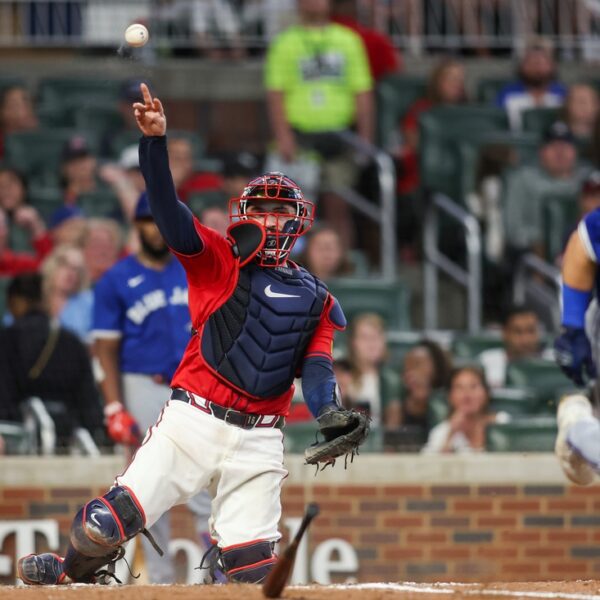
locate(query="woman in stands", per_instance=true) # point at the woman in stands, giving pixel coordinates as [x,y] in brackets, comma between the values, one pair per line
[67,294]
[464,429]
[373,383]
[324,254]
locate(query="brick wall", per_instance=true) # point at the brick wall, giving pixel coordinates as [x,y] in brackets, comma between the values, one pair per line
[419,532]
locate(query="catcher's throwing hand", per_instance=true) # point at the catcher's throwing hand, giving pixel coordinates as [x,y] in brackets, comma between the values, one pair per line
[344,431]
[150,115]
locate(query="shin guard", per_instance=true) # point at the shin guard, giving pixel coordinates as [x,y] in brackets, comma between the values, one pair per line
[248,563]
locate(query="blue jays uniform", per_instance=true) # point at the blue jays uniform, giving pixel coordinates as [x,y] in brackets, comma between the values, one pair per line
[148,310]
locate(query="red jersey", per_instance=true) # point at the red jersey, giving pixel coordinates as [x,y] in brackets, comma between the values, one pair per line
[212,276]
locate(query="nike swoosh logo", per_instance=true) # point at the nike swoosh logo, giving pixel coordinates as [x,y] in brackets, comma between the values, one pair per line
[269,293]
[94,518]
[135,281]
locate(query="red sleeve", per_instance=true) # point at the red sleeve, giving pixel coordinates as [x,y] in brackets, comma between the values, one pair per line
[42,246]
[214,263]
[321,343]
[411,119]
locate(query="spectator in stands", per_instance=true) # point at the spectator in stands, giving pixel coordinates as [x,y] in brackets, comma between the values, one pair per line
[16,113]
[580,114]
[13,263]
[319,84]
[464,429]
[67,295]
[102,246]
[21,217]
[41,359]
[527,186]
[68,226]
[181,162]
[384,59]
[536,85]
[373,383]
[425,369]
[446,86]
[215,217]
[522,339]
[324,254]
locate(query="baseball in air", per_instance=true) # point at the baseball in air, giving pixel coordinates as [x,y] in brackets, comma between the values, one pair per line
[136,35]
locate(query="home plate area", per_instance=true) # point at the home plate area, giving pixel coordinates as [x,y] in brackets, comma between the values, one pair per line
[571,590]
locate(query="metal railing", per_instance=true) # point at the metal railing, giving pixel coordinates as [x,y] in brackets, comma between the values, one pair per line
[537,280]
[414,25]
[468,278]
[383,213]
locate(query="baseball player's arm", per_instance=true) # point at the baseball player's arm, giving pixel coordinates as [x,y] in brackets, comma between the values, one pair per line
[319,385]
[107,352]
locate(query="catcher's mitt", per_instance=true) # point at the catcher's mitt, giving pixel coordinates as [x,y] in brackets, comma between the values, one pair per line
[344,431]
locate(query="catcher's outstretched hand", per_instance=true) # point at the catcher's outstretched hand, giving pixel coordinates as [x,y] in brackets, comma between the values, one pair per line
[150,115]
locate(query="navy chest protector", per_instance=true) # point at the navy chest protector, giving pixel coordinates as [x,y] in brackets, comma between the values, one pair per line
[256,341]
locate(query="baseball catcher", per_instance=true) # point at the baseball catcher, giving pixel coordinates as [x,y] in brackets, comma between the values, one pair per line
[259,321]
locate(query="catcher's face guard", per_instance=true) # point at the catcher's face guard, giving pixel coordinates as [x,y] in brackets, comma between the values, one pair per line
[275,202]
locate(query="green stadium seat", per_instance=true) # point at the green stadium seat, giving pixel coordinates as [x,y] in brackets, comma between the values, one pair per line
[526,434]
[488,88]
[76,91]
[394,95]
[101,203]
[561,213]
[56,116]
[537,120]
[390,300]
[399,343]
[542,377]
[514,401]
[200,200]
[100,119]
[440,130]
[8,81]
[470,346]
[19,240]
[40,151]
[120,141]
[438,407]
[525,146]
[17,440]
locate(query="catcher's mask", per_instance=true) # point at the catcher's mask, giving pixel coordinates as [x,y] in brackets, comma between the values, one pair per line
[275,202]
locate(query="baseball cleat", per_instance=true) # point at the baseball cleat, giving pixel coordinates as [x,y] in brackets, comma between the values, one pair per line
[578,441]
[41,569]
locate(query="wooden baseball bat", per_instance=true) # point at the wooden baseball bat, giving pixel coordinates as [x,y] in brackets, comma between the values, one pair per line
[277,578]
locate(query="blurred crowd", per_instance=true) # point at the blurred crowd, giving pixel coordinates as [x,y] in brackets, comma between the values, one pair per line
[70,185]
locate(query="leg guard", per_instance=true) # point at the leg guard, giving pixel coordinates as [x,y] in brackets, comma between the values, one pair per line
[248,563]
[98,531]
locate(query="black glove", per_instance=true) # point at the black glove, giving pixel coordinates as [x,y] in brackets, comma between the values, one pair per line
[574,355]
[343,430]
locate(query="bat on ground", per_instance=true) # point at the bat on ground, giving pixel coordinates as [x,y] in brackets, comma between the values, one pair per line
[277,578]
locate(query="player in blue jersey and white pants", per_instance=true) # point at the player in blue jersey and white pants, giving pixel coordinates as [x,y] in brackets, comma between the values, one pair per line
[141,329]
[578,352]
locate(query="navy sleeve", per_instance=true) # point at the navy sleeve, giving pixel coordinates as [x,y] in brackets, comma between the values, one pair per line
[173,218]
[319,386]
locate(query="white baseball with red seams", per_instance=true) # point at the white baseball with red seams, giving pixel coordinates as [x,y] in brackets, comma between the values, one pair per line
[137,35]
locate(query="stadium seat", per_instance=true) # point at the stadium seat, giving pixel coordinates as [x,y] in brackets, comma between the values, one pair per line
[537,120]
[525,434]
[542,377]
[19,240]
[468,150]
[438,408]
[399,343]
[469,346]
[488,88]
[440,129]
[395,94]
[100,119]
[561,213]
[38,152]
[125,138]
[101,203]
[78,92]
[390,300]
[7,81]
[514,401]
[45,199]
[17,439]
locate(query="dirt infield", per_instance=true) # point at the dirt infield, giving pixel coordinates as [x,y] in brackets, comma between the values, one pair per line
[571,590]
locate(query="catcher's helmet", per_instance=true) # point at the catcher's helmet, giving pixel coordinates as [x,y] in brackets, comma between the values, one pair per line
[292,216]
